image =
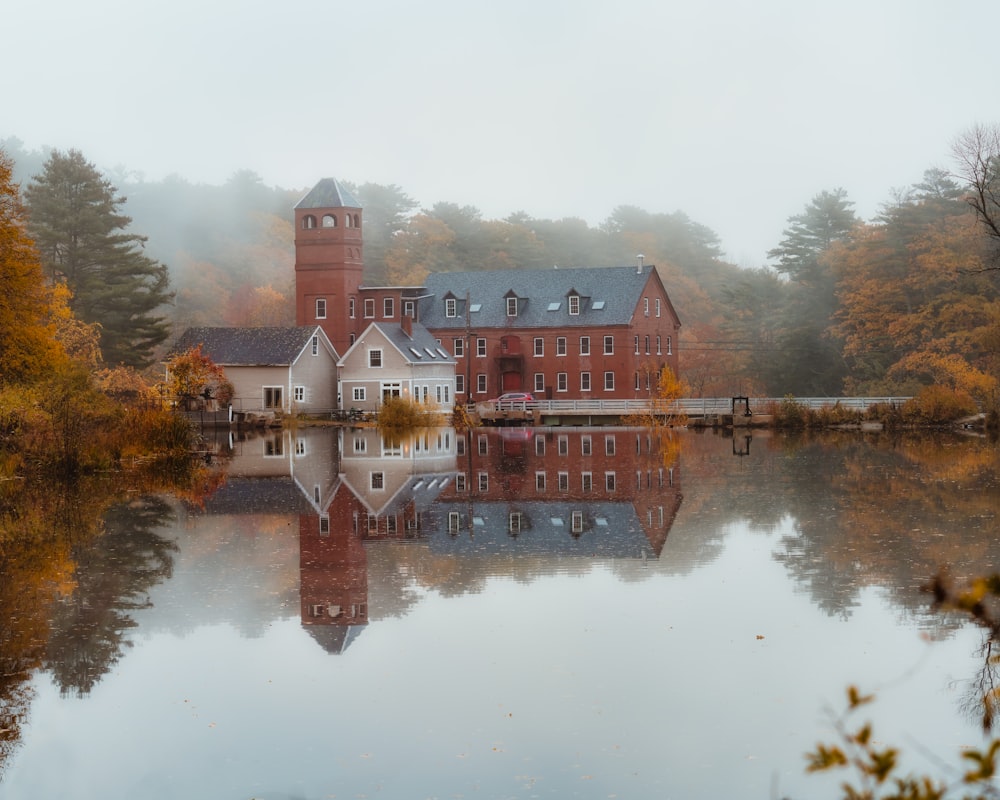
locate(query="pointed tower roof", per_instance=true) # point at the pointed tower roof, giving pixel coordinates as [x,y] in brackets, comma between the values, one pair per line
[328,193]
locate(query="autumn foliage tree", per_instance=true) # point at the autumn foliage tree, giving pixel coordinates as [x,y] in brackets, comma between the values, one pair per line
[28,347]
[192,374]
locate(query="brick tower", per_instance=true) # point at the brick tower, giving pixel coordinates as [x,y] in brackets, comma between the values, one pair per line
[328,261]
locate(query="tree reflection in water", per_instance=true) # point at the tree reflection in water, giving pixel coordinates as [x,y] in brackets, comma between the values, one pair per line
[75,562]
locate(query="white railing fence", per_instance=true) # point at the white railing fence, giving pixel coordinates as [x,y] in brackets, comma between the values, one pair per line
[697,406]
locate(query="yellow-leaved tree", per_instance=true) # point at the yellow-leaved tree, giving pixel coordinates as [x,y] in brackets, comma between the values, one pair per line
[28,346]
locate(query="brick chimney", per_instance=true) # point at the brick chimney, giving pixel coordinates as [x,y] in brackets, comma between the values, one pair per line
[406,323]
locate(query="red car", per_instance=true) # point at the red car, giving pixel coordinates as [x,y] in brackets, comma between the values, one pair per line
[515,397]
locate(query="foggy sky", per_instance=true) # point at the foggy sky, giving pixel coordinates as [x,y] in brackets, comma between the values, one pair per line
[734,112]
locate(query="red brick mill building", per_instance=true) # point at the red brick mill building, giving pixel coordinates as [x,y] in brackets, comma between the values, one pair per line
[579,333]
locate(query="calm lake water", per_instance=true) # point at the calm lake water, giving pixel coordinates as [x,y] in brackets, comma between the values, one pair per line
[515,614]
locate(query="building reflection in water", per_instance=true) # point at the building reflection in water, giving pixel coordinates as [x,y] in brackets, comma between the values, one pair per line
[600,493]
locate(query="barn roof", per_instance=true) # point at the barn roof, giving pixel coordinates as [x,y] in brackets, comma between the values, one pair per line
[248,346]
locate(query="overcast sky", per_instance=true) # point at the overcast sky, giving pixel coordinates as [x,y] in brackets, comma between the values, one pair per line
[736,113]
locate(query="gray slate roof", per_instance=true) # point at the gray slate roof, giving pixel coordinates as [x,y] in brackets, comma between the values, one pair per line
[618,288]
[247,347]
[420,341]
[328,193]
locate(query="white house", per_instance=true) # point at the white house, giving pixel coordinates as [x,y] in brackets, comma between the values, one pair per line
[287,370]
[396,360]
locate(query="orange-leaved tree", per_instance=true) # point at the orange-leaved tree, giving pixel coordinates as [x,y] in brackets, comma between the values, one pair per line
[28,348]
[192,374]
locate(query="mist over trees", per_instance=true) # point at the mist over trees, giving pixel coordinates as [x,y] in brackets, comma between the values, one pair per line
[881,306]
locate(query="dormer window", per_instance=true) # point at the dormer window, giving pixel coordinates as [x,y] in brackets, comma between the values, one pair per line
[574,305]
[512,306]
[450,307]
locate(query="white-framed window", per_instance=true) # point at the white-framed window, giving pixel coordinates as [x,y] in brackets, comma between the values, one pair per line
[539,381]
[273,397]
[646,342]
[670,350]
[609,345]
[483,445]
[391,389]
[351,338]
[388,307]
[587,481]
[377,481]
[460,482]
[609,481]
[360,444]
[658,351]
[574,305]
[320,308]
[638,382]
[438,394]
[645,306]
[375,358]
[454,521]
[350,307]
[484,481]
[560,345]
[657,306]
[274,446]
[359,394]
[562,381]
[459,384]
[511,306]
[481,383]
[324,524]
[586,446]
[446,392]
[300,447]
[458,347]
[450,307]
[584,345]
[584,381]
[539,481]
[563,445]
[408,308]
[563,481]
[576,522]
[315,345]
[609,381]
[514,520]
[609,445]
[539,445]
[369,308]
[637,345]
[539,346]
[481,347]
[299,394]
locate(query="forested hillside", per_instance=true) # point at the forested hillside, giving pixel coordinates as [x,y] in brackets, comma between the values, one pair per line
[880,306]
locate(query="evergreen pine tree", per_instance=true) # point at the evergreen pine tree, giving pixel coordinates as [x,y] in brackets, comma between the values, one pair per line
[82,239]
